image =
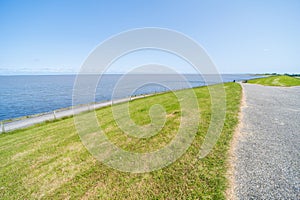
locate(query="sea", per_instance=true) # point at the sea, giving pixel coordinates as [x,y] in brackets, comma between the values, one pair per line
[25,95]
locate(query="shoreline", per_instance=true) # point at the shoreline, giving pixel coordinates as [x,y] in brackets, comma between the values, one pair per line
[15,106]
[8,125]
[26,121]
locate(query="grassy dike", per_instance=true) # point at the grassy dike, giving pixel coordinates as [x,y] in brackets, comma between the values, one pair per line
[49,161]
[285,81]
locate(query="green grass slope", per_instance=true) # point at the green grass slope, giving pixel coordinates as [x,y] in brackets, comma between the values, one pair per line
[48,161]
[285,81]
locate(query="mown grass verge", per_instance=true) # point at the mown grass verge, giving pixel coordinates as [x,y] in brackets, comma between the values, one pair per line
[284,81]
[48,161]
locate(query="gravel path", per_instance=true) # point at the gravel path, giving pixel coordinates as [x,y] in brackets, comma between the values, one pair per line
[267,152]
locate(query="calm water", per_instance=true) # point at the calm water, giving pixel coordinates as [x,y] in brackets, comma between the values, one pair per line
[28,95]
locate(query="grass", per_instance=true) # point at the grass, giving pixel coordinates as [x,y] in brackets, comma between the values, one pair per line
[285,81]
[48,161]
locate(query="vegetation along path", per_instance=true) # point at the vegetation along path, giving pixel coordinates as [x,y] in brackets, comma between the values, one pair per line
[268,148]
[48,160]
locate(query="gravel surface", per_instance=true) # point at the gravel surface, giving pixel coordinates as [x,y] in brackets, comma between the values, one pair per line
[268,148]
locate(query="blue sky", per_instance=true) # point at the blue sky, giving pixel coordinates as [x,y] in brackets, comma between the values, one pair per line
[46,37]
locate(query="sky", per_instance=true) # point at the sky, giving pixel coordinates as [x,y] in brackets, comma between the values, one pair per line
[56,36]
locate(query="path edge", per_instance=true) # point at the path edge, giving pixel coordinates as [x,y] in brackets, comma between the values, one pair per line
[230,193]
